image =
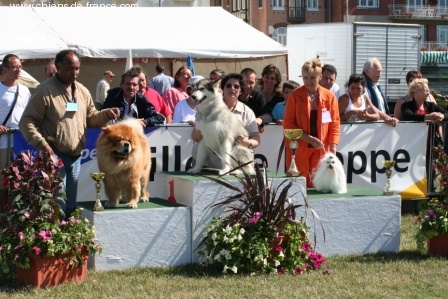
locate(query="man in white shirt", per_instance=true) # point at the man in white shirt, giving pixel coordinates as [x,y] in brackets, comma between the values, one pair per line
[102,88]
[13,100]
[328,79]
[372,73]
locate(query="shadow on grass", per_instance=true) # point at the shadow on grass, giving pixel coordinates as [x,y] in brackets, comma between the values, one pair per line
[406,255]
[198,271]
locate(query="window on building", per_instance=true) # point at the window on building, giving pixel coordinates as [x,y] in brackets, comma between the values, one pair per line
[277,3]
[238,5]
[279,35]
[416,2]
[442,35]
[368,3]
[312,4]
[443,3]
[260,3]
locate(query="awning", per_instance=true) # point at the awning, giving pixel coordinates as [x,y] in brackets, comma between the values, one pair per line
[434,57]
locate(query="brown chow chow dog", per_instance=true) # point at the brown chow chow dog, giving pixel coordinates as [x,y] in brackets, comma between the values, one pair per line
[124,156]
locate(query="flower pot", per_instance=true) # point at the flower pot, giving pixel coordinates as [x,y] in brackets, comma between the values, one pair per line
[438,245]
[50,271]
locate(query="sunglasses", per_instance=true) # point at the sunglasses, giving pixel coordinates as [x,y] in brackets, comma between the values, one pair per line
[229,85]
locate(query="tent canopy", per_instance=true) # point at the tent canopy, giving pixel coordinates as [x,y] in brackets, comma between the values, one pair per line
[159,32]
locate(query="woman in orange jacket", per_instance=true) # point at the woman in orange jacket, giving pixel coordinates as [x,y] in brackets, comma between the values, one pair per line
[315,110]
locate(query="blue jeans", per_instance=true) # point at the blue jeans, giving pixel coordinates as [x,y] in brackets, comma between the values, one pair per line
[70,174]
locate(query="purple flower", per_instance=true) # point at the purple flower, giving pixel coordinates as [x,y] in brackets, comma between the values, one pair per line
[281,271]
[432,214]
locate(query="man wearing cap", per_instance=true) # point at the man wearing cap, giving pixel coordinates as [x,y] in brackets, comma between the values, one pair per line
[102,88]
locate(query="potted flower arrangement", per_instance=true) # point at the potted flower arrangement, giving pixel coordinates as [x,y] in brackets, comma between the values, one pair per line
[433,213]
[34,228]
[259,231]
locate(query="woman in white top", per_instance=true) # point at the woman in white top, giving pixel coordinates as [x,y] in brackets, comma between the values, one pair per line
[231,86]
[355,105]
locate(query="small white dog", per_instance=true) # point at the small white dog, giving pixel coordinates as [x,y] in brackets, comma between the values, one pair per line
[329,175]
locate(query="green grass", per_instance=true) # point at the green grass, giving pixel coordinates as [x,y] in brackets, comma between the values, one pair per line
[407,274]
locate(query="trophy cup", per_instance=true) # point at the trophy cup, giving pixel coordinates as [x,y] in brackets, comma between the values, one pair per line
[293,135]
[388,164]
[98,177]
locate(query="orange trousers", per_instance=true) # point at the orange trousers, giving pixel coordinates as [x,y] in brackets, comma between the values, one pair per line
[306,162]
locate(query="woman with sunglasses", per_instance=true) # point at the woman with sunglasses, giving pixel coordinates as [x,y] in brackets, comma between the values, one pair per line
[313,109]
[232,85]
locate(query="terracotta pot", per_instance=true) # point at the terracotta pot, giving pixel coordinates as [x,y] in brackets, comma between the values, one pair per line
[438,245]
[50,271]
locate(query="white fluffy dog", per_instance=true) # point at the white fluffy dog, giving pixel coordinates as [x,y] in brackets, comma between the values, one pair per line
[220,129]
[329,175]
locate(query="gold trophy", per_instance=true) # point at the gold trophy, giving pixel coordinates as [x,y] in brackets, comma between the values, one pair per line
[98,177]
[388,164]
[293,135]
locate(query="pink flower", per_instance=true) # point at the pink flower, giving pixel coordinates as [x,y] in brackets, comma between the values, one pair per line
[78,249]
[306,246]
[253,220]
[63,222]
[45,235]
[298,271]
[20,236]
[327,271]
[279,248]
[36,250]
[281,271]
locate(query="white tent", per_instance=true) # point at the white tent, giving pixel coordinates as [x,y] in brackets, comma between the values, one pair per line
[159,32]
